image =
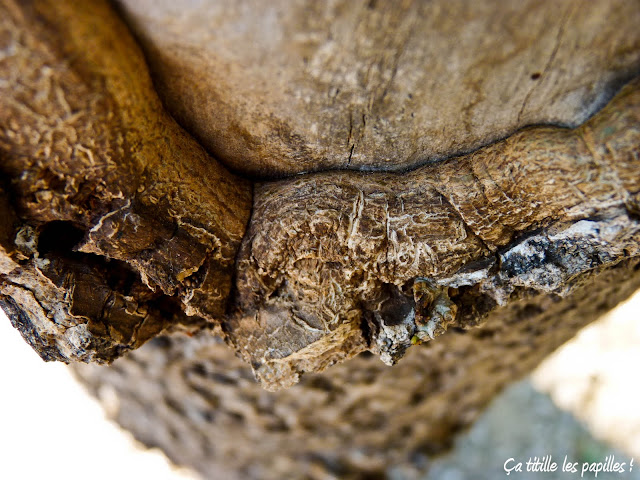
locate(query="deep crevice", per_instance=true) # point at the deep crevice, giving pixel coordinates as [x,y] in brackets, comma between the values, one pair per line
[58,241]
[59,237]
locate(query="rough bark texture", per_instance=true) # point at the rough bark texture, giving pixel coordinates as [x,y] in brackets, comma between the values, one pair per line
[117,226]
[372,261]
[359,420]
[97,171]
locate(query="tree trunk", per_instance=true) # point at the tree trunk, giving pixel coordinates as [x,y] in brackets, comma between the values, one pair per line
[359,184]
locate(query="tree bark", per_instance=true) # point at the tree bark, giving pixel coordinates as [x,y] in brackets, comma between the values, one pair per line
[354,194]
[283,87]
[119,215]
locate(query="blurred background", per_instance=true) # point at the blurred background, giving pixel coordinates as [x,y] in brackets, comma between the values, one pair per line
[582,402]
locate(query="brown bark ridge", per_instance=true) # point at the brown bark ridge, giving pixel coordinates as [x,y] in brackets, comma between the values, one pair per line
[112,215]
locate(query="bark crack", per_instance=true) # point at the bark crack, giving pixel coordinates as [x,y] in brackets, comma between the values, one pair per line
[561,29]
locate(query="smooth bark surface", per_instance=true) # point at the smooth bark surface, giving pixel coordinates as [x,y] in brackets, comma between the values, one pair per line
[282,87]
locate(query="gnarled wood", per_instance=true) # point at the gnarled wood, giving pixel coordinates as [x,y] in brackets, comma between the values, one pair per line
[95,166]
[117,226]
[335,258]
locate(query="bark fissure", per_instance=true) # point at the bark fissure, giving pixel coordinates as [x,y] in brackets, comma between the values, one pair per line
[561,28]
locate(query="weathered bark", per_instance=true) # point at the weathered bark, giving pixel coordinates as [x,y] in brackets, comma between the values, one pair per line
[97,171]
[191,397]
[345,259]
[117,226]
[282,87]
